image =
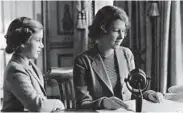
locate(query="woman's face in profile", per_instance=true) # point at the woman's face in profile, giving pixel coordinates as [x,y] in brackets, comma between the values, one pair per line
[116,32]
[34,45]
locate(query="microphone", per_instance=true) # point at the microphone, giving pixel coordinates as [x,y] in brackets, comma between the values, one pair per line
[137,82]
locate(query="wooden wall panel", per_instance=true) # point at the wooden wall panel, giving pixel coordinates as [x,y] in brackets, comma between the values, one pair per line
[58,43]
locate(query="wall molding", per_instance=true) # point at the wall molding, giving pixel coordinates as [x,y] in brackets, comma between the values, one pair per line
[65,57]
[2,27]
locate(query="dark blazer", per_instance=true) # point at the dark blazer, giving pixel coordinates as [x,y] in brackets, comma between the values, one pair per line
[91,81]
[24,88]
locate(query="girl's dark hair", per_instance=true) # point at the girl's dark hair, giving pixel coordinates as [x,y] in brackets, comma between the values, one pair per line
[104,17]
[19,31]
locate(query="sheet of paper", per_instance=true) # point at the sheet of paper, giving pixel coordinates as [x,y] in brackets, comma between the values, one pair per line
[164,106]
[178,97]
[148,106]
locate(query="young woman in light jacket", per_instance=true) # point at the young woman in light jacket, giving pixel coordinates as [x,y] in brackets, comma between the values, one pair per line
[23,81]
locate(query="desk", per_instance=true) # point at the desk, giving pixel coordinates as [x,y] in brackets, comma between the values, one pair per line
[148,106]
[166,106]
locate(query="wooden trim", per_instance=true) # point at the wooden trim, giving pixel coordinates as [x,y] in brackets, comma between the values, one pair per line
[61,45]
[2,30]
[34,9]
[46,57]
[66,56]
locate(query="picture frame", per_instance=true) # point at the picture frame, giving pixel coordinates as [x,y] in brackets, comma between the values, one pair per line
[65,60]
[65,17]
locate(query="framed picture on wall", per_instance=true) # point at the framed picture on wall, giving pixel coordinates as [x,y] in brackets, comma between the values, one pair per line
[65,17]
[65,60]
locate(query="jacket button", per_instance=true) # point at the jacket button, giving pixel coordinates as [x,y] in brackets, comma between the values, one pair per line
[123,92]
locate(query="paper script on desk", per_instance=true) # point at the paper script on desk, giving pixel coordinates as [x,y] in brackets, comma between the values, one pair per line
[164,106]
[131,108]
[148,106]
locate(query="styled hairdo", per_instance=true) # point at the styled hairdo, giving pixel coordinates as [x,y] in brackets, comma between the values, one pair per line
[19,31]
[104,17]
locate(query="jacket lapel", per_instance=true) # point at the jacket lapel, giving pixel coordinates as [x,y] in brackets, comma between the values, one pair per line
[99,68]
[122,65]
[38,76]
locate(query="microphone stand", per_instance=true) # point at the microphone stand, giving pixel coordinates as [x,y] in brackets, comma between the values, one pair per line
[137,82]
[139,101]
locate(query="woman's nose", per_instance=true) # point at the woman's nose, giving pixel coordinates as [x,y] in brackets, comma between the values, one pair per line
[121,34]
[42,45]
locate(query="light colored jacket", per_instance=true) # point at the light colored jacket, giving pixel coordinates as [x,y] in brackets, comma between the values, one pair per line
[24,88]
[91,81]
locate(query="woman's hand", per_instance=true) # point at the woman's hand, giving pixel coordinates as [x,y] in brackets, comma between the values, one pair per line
[59,106]
[156,97]
[153,96]
[113,103]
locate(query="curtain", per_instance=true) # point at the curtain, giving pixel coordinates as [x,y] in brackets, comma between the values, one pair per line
[164,65]
[163,28]
[84,17]
[176,47]
[171,52]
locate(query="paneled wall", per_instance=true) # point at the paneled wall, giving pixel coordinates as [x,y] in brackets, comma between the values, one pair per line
[60,36]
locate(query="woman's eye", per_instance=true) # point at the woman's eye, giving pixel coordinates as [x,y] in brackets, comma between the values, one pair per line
[38,40]
[116,30]
[119,30]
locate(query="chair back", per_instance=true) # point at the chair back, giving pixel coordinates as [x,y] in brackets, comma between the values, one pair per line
[64,78]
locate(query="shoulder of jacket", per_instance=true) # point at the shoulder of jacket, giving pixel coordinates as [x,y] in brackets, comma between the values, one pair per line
[14,67]
[126,50]
[86,54]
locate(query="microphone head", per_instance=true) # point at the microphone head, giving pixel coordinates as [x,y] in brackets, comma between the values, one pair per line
[137,80]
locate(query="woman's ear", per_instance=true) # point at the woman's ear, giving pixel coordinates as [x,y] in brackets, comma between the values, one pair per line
[103,28]
[22,45]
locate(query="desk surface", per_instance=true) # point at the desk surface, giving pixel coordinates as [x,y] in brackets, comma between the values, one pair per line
[164,106]
[148,106]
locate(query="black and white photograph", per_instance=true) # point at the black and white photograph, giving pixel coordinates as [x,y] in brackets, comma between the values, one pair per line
[91,56]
